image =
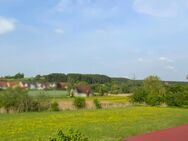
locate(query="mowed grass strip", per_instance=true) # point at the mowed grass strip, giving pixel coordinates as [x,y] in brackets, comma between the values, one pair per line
[98,125]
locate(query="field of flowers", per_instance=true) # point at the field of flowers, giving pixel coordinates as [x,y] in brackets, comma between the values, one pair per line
[98,125]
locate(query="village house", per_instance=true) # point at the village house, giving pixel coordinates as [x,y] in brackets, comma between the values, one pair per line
[52,85]
[81,91]
[3,85]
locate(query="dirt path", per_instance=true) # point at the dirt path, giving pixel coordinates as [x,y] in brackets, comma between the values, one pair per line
[174,134]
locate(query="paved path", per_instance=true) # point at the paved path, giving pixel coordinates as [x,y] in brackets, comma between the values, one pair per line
[174,134]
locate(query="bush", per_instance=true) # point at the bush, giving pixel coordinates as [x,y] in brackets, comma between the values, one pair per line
[70,135]
[97,103]
[18,100]
[177,95]
[15,99]
[79,102]
[154,100]
[139,96]
[54,106]
[177,99]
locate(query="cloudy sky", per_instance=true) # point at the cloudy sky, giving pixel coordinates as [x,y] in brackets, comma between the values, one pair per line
[113,37]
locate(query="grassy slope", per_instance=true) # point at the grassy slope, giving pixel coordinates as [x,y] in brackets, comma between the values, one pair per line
[98,125]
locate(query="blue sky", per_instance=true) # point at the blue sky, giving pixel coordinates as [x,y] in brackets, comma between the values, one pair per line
[113,37]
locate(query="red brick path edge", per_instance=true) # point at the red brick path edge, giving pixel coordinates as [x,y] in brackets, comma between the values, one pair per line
[173,134]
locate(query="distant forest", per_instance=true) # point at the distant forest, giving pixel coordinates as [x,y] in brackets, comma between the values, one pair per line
[76,78]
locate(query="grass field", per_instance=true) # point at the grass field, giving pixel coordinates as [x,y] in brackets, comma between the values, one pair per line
[63,96]
[49,93]
[98,125]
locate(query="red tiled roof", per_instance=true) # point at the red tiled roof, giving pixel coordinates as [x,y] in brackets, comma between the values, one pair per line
[84,89]
[3,84]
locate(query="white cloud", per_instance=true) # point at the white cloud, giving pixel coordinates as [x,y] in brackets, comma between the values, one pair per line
[6,25]
[160,8]
[164,59]
[59,31]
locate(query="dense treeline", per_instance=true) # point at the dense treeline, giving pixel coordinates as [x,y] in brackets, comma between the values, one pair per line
[56,77]
[155,92]
[74,78]
[89,78]
[16,76]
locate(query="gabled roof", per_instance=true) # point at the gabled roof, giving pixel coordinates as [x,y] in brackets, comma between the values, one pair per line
[84,89]
[3,84]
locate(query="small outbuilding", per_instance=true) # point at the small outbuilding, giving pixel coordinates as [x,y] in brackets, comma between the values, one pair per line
[82,91]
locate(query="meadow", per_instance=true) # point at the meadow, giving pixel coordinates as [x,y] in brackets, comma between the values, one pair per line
[60,95]
[49,93]
[99,125]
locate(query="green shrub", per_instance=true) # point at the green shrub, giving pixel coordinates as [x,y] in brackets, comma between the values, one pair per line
[70,135]
[177,99]
[139,96]
[97,103]
[18,100]
[54,106]
[79,102]
[15,99]
[154,100]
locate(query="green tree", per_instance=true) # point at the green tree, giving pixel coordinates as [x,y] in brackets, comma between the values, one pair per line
[19,76]
[155,89]
[154,86]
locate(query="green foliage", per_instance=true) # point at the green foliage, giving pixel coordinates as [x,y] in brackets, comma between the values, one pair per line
[19,76]
[89,78]
[97,103]
[70,135]
[174,99]
[152,92]
[16,76]
[56,77]
[177,96]
[154,86]
[15,99]
[18,100]
[139,95]
[54,106]
[79,102]
[153,100]
[103,89]
[39,78]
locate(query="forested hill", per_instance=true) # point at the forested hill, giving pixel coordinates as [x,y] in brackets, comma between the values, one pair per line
[77,77]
